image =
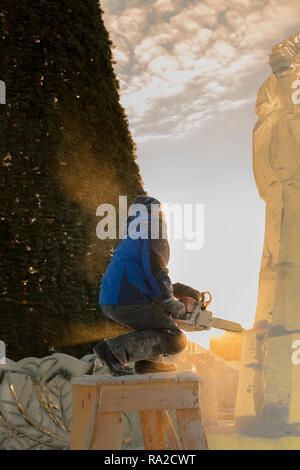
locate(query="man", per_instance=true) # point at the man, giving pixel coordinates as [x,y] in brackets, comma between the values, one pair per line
[136,291]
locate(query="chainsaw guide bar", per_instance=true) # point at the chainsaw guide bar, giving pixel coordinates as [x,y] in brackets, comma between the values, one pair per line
[200,319]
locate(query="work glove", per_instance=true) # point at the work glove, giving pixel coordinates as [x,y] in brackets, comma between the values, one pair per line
[201,320]
[175,308]
[182,290]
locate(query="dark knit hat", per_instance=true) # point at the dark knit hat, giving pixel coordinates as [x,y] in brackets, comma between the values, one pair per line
[147,201]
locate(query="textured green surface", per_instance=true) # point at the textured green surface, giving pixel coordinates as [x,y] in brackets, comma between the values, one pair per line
[65,148]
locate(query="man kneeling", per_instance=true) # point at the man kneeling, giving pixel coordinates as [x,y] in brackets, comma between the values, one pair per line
[137,292]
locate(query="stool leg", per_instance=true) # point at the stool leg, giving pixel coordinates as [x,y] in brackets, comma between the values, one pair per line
[83,399]
[109,431]
[191,430]
[170,431]
[89,441]
[152,429]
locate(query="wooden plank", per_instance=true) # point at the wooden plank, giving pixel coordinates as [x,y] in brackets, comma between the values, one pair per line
[161,377]
[93,422]
[109,431]
[152,429]
[170,431]
[191,430]
[150,397]
[83,399]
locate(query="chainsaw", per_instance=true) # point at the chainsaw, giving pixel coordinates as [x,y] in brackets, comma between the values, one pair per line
[198,318]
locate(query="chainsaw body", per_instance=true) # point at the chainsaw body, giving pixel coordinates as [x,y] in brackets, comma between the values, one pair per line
[198,318]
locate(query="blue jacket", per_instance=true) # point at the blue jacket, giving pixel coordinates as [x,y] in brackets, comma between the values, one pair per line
[137,273]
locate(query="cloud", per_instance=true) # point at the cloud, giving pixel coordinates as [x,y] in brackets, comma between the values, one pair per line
[183,62]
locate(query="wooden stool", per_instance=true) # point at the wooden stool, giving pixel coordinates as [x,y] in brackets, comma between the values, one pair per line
[100,401]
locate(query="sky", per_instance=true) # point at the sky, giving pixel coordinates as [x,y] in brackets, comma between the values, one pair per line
[189,73]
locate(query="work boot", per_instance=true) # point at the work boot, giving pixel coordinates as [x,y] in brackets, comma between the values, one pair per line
[149,367]
[115,366]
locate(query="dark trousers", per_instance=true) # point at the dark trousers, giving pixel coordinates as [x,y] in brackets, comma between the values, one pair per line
[155,333]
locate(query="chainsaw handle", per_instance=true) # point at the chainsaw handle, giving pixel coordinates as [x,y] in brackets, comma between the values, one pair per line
[204,302]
